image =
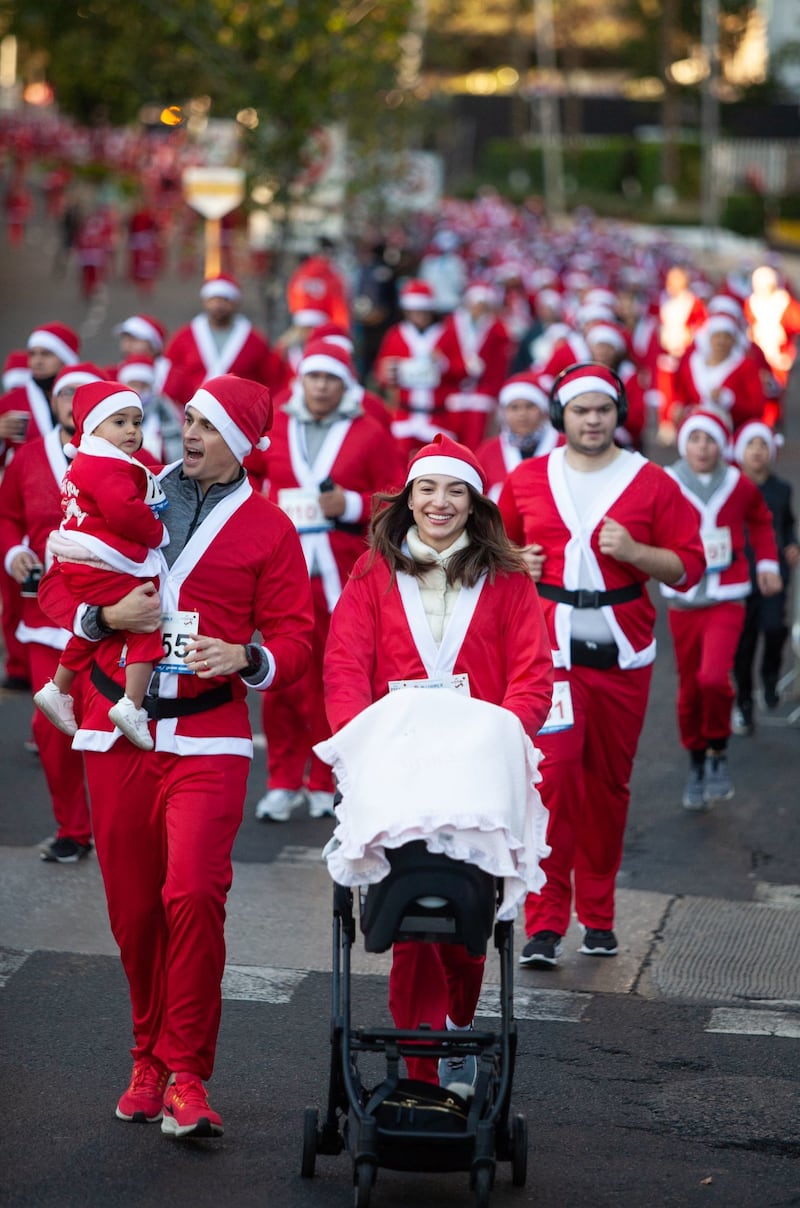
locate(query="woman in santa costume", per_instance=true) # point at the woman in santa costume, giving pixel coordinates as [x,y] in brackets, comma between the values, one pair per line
[419,364]
[220,340]
[706,622]
[326,460]
[30,508]
[525,429]
[485,350]
[595,522]
[441,595]
[165,820]
[717,372]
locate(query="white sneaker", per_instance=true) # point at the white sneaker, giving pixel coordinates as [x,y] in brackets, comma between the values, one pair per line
[277,804]
[132,722]
[320,804]
[58,707]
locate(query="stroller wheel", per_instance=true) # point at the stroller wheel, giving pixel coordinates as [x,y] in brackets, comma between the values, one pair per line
[482,1185]
[519,1150]
[363,1177]
[310,1122]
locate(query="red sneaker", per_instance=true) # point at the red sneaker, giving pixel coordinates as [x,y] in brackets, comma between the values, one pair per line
[187,1112]
[144,1098]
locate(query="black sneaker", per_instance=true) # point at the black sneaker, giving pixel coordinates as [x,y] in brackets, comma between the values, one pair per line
[542,950]
[65,851]
[771,695]
[597,942]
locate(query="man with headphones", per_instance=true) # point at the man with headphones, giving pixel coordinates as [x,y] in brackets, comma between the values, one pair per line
[595,523]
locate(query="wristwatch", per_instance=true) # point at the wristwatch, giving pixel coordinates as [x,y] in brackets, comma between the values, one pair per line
[254,659]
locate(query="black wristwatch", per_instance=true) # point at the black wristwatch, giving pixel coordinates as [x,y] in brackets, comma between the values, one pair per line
[254,659]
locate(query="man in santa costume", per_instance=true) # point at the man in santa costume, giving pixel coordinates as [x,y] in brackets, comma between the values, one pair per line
[142,335]
[706,622]
[596,522]
[680,313]
[326,460]
[26,414]
[165,821]
[774,318]
[608,345]
[30,508]
[717,372]
[419,364]
[220,340]
[525,429]
[485,350]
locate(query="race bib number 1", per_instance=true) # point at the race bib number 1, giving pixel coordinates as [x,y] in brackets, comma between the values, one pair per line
[176,630]
[561,716]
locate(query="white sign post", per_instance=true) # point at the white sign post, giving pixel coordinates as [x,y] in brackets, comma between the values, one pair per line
[213,192]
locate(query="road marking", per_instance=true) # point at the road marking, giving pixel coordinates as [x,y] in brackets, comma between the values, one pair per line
[786,896]
[555,1005]
[11,961]
[252,983]
[741,1021]
[300,855]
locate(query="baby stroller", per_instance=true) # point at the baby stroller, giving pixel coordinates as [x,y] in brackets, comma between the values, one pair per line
[401,1124]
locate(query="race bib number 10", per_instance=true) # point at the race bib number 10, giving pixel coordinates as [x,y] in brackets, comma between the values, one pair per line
[176,630]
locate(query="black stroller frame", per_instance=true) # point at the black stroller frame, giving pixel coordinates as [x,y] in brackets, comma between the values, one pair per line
[425,898]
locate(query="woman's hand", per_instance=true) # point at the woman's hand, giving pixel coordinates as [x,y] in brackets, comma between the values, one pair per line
[209,657]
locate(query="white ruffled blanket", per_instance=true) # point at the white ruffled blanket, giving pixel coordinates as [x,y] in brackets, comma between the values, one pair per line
[456,772]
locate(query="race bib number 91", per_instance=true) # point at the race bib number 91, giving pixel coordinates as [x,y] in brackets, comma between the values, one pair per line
[176,630]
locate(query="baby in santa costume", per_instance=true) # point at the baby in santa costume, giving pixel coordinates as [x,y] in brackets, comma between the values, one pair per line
[108,543]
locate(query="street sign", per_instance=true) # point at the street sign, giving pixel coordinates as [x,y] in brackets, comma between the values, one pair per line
[213,192]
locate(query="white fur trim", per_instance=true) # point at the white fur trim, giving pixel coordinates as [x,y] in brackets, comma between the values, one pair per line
[210,407]
[527,390]
[454,467]
[46,339]
[221,289]
[140,329]
[75,379]
[320,363]
[118,401]
[585,385]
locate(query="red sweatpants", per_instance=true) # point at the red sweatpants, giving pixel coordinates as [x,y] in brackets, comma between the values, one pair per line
[705,642]
[585,785]
[427,983]
[294,718]
[164,827]
[62,767]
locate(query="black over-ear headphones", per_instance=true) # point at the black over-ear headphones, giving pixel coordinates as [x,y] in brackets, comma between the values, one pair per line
[557,408]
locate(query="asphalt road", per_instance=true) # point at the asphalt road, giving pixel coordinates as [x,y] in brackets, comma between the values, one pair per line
[666,1077]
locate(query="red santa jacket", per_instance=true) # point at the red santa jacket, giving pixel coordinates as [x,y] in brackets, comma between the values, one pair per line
[734,386]
[103,503]
[537,508]
[738,506]
[499,457]
[379,633]
[194,357]
[431,368]
[360,456]
[484,349]
[242,571]
[30,508]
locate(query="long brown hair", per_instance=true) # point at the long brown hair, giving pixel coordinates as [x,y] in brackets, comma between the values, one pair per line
[489,550]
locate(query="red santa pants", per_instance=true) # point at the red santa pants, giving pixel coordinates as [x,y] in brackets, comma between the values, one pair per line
[106,587]
[62,767]
[427,983]
[164,827]
[17,654]
[705,642]
[294,718]
[585,785]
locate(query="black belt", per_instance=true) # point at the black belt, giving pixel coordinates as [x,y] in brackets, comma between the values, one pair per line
[590,599]
[159,709]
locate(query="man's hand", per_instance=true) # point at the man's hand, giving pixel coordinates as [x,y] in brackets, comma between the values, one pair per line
[769,584]
[534,558]
[332,503]
[22,566]
[138,612]
[616,542]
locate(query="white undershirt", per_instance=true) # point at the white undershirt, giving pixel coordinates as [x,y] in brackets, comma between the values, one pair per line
[584,487]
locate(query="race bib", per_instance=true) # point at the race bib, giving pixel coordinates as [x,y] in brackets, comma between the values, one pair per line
[456,683]
[301,505]
[176,630]
[718,549]
[418,373]
[561,716]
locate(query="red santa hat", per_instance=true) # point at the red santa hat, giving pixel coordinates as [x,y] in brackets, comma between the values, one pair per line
[720,322]
[323,356]
[749,432]
[95,402]
[15,370]
[525,385]
[221,286]
[417,295]
[59,339]
[587,379]
[603,332]
[481,291]
[73,376]
[714,423]
[724,304]
[137,369]
[143,327]
[445,456]
[240,410]
[334,333]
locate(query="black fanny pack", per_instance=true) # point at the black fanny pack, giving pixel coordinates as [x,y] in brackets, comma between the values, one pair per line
[582,598]
[158,709]
[600,655]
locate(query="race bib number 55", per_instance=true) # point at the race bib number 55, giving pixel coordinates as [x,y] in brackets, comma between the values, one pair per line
[176,630]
